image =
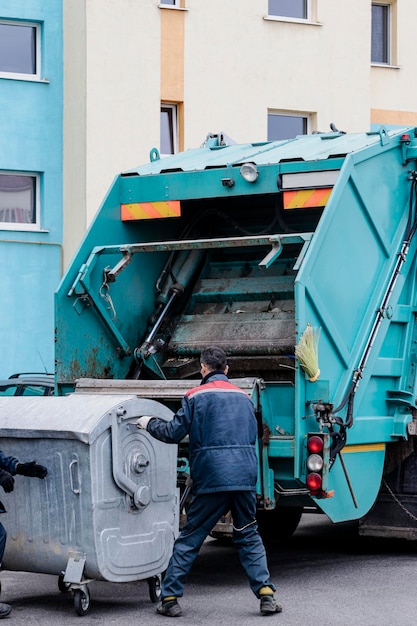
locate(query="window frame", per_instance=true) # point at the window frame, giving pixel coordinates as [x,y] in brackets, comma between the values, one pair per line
[33,226]
[299,115]
[21,75]
[173,5]
[175,129]
[307,18]
[388,42]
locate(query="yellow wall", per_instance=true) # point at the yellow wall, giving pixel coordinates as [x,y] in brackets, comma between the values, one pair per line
[400,118]
[172,63]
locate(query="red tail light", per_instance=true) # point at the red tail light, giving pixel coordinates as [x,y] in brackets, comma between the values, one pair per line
[314,482]
[315,444]
[317,463]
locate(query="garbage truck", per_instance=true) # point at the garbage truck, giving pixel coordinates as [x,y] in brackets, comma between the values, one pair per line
[298,258]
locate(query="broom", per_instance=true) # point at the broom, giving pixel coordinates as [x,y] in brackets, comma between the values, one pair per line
[307,352]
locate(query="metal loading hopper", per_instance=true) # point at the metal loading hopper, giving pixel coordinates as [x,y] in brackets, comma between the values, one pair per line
[246,309]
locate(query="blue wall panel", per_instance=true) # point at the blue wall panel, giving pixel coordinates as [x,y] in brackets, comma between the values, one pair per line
[31,140]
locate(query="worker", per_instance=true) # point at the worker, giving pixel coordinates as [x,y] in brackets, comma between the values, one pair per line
[9,467]
[219,418]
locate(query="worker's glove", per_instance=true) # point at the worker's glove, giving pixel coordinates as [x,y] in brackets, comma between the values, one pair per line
[31,469]
[144,421]
[6,481]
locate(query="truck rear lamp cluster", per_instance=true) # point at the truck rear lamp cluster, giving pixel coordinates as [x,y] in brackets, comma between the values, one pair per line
[317,463]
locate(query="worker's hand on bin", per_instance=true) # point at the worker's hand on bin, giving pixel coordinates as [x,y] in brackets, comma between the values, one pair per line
[31,469]
[144,421]
[6,481]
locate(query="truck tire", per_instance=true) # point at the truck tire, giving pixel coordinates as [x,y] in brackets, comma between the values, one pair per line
[278,524]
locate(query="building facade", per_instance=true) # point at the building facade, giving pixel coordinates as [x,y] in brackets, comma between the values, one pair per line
[121,77]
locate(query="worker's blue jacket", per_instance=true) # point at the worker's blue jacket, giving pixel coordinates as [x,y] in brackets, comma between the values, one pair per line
[220,421]
[8,463]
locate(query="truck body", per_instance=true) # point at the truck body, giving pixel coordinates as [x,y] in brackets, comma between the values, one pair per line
[249,247]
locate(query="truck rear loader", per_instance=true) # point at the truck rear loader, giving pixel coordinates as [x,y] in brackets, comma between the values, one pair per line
[299,259]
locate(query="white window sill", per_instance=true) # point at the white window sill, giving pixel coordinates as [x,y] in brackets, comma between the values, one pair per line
[11,226]
[291,20]
[170,6]
[24,77]
[386,66]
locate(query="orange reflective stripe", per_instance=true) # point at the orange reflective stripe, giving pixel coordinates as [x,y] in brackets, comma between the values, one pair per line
[306,198]
[150,210]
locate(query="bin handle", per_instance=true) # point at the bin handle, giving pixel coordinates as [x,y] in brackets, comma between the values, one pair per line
[71,466]
[120,478]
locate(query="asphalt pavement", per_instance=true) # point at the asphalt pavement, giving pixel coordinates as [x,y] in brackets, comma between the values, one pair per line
[326,574]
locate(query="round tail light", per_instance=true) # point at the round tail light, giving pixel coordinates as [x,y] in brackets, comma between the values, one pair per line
[315,444]
[315,463]
[314,481]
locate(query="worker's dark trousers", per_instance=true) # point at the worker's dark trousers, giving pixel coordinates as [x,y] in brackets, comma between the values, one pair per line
[3,537]
[204,512]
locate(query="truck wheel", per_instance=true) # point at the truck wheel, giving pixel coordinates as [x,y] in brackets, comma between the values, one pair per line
[154,585]
[81,601]
[278,524]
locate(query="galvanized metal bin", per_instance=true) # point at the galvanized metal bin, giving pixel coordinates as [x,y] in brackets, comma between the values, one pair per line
[107,509]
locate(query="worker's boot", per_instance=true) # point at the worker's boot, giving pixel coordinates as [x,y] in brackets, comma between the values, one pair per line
[5,609]
[169,607]
[268,603]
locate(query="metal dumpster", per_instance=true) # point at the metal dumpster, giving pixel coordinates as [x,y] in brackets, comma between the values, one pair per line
[107,509]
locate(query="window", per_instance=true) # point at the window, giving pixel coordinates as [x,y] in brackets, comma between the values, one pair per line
[380,48]
[288,8]
[286,126]
[19,49]
[169,129]
[172,3]
[18,205]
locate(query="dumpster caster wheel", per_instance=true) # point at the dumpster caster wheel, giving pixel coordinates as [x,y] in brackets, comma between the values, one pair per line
[154,584]
[62,585]
[81,601]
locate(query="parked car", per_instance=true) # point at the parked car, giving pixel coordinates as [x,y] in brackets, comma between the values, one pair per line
[28,384]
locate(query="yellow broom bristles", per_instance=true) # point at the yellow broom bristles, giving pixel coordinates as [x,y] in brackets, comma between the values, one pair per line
[307,352]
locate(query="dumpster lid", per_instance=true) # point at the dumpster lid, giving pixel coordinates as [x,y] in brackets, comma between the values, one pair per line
[82,417]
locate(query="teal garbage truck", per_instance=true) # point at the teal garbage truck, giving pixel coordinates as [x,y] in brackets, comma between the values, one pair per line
[299,259]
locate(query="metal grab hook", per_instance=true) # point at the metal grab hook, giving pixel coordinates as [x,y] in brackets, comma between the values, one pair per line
[276,250]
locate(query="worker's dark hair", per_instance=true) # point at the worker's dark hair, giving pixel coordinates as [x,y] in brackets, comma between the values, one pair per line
[214,358]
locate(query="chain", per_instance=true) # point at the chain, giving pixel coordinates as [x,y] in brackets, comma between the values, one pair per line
[105,294]
[400,504]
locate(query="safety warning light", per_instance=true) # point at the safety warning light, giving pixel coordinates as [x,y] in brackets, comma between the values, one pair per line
[314,482]
[317,463]
[315,444]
